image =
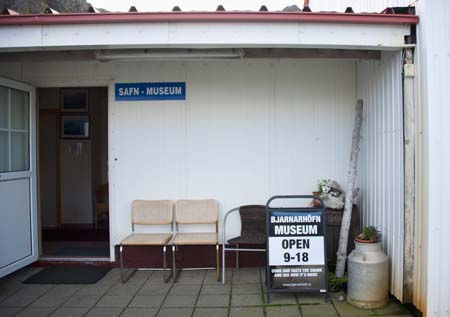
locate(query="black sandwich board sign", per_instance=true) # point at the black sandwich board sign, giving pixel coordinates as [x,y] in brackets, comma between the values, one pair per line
[296,248]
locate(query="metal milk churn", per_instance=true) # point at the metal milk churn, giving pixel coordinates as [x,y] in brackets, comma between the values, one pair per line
[368,276]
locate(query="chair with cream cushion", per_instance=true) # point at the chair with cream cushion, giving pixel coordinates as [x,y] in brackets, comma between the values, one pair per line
[149,213]
[196,212]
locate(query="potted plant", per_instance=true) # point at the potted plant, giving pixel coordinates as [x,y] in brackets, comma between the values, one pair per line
[369,235]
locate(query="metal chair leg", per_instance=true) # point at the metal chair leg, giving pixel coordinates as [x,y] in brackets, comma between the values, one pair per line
[124,276]
[217,263]
[174,272]
[223,263]
[237,256]
[166,278]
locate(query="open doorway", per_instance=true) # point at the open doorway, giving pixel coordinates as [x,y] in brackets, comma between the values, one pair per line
[73,172]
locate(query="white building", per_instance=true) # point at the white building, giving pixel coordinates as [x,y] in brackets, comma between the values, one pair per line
[268,109]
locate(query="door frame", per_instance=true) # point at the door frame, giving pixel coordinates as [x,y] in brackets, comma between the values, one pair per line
[73,84]
[31,174]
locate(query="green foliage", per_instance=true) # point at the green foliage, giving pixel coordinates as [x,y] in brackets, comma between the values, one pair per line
[38,6]
[335,284]
[369,233]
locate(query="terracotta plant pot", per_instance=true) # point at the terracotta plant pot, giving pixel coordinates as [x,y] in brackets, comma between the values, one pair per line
[366,241]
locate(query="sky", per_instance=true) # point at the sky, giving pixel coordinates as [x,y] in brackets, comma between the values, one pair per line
[185,5]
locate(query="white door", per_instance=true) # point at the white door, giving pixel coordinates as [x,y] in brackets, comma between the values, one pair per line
[18,202]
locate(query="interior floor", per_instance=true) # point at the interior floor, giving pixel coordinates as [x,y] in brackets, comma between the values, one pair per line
[75,242]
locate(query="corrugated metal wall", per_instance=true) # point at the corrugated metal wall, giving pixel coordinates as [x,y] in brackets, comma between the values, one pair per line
[432,293]
[382,174]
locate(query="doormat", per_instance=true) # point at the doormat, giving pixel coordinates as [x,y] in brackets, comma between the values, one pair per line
[68,275]
[83,251]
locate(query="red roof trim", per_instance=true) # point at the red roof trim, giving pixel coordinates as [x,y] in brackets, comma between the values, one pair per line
[230,16]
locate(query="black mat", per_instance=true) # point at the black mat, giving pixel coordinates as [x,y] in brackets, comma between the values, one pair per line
[83,251]
[68,275]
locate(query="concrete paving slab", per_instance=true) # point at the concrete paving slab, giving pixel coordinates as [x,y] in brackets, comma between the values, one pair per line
[318,310]
[175,312]
[178,301]
[34,289]
[82,301]
[157,277]
[150,288]
[9,311]
[211,312]
[143,301]
[246,312]
[285,311]
[124,289]
[246,300]
[139,277]
[305,298]
[104,312]
[50,300]
[246,276]
[18,301]
[392,308]
[254,288]
[213,301]
[139,312]
[210,277]
[191,277]
[70,312]
[35,312]
[26,273]
[347,310]
[281,299]
[215,289]
[185,289]
[116,301]
[93,289]
[10,287]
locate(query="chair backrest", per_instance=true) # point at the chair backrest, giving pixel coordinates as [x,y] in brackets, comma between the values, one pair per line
[253,220]
[152,212]
[202,211]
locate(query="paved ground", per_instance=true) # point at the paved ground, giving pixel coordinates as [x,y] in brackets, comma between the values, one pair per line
[196,293]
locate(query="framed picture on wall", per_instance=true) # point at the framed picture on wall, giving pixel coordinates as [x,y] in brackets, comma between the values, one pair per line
[74,127]
[74,100]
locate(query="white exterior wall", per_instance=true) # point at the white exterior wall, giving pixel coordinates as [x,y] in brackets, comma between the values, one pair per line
[432,278]
[248,129]
[382,166]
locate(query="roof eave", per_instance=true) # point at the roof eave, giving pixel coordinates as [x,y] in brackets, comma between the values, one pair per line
[234,16]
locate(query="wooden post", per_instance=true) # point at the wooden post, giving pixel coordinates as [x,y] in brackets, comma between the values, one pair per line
[346,217]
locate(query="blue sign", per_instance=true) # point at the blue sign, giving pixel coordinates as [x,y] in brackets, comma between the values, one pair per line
[150,91]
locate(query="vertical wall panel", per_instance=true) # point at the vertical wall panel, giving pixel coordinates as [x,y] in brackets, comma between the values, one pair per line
[380,86]
[432,279]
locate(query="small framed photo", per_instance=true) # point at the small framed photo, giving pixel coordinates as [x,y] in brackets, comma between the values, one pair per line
[74,100]
[74,127]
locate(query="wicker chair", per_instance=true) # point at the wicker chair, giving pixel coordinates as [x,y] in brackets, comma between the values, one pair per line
[149,213]
[253,232]
[196,212]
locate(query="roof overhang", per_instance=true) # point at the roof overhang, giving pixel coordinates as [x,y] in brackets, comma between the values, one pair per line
[205,30]
[229,16]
